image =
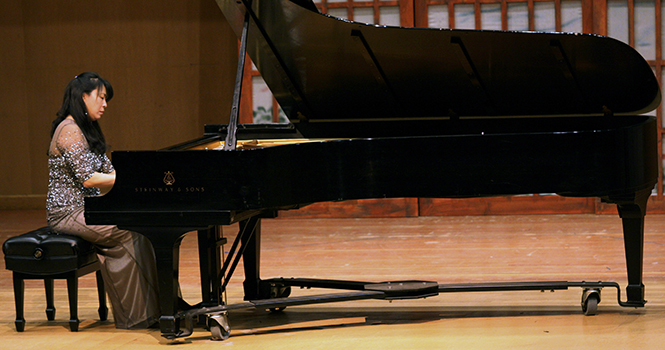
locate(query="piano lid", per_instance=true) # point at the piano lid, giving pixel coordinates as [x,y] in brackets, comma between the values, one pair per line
[323,68]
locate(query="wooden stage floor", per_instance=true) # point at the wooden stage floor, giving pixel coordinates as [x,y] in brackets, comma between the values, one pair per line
[441,249]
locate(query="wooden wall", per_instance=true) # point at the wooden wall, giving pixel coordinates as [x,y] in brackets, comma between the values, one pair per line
[171,62]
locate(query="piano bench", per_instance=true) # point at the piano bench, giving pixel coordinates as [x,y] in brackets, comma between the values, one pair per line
[45,254]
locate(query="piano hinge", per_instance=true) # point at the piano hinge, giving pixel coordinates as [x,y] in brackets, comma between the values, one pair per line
[453,115]
[301,117]
[607,112]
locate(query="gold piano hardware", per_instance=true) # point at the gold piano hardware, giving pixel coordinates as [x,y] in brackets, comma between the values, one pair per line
[250,144]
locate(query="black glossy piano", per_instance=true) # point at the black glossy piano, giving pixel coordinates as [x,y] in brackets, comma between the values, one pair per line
[389,112]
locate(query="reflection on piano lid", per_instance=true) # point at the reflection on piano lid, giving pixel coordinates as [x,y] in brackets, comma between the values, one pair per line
[323,68]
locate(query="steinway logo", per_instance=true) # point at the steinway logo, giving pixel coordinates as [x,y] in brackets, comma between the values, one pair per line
[169,180]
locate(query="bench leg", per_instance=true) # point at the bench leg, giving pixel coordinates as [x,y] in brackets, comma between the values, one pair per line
[72,290]
[19,300]
[103,310]
[50,305]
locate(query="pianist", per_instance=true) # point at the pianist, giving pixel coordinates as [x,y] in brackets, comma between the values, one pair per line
[78,167]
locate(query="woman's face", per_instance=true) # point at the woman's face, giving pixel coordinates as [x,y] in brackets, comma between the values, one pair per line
[95,102]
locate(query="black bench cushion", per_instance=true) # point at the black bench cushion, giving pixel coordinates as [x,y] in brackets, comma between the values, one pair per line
[44,252]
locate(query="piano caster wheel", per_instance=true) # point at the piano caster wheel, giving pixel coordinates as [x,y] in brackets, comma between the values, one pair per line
[219,326]
[279,291]
[590,300]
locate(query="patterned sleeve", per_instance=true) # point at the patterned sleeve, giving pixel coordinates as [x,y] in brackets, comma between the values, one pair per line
[72,145]
[107,167]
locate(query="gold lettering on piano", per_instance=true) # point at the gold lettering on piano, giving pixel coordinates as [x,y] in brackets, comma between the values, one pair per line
[169,189]
[169,180]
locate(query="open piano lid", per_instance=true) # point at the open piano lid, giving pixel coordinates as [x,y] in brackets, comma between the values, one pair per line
[320,67]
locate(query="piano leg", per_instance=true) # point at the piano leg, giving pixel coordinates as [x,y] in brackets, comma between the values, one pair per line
[632,210]
[251,243]
[209,241]
[166,243]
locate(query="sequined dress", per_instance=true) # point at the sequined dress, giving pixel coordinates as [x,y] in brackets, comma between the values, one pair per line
[70,164]
[127,258]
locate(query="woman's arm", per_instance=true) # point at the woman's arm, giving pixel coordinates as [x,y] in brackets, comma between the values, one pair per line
[102,181]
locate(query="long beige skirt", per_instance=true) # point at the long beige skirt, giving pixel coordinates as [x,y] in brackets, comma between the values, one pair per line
[128,269]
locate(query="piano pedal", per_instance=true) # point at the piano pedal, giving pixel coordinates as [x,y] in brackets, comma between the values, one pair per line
[405,289]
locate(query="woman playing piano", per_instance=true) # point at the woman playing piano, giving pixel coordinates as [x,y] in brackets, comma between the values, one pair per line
[78,168]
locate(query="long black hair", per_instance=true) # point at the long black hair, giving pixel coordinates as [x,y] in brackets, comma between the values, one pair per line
[73,104]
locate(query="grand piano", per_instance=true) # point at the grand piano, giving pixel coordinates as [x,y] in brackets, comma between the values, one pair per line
[389,112]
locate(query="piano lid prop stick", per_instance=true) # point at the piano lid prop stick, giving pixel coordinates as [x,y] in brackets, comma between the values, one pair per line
[230,143]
